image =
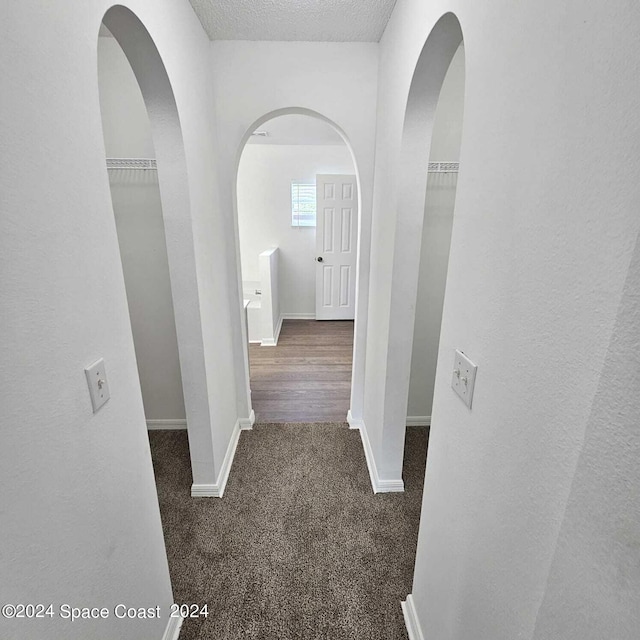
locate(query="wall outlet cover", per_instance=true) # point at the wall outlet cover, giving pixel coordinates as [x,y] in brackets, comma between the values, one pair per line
[98,384]
[464,377]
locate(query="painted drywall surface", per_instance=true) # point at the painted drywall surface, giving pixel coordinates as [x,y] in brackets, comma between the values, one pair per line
[337,80]
[137,207]
[270,297]
[296,129]
[539,259]
[127,132]
[80,518]
[436,239]
[264,214]
[592,588]
[138,214]
[447,126]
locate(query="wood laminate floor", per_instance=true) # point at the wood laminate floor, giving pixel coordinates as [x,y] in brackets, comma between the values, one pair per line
[307,377]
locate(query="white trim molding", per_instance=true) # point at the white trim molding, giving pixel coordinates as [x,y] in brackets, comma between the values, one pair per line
[217,490]
[153,425]
[298,316]
[353,423]
[377,483]
[418,421]
[411,622]
[172,630]
[269,342]
[247,423]
[273,342]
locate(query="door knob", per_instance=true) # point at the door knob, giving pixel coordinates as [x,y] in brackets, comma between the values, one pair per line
[320,259]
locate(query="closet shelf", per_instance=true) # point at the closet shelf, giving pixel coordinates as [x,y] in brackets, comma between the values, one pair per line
[144,164]
[443,167]
[149,164]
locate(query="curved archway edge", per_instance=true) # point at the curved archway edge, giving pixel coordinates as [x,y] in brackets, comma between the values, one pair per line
[153,80]
[285,111]
[428,77]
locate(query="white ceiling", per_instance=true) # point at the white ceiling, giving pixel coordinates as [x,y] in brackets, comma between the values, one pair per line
[307,20]
[296,129]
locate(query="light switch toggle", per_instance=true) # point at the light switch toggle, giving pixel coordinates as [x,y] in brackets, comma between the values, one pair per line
[98,385]
[464,377]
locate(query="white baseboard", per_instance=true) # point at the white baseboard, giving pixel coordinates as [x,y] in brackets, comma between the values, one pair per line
[247,423]
[411,622]
[285,316]
[298,316]
[377,483]
[172,630]
[274,342]
[353,423]
[152,425]
[418,421]
[217,490]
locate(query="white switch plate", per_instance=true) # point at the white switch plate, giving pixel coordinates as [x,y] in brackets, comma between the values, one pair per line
[98,384]
[464,377]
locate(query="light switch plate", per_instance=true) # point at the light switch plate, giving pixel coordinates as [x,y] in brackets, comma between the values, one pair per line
[98,384]
[464,377]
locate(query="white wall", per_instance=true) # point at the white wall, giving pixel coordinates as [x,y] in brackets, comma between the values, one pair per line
[270,318]
[530,504]
[125,122]
[436,240]
[530,499]
[141,237]
[264,214]
[80,517]
[337,80]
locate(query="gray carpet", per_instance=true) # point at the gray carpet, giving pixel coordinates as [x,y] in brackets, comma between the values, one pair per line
[299,548]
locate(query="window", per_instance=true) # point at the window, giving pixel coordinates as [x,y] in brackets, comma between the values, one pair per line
[303,204]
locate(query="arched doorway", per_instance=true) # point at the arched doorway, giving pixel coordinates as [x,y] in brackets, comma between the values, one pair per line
[282,157]
[428,183]
[413,175]
[175,223]
[436,241]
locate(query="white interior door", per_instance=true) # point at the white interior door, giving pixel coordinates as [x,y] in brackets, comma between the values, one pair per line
[336,236]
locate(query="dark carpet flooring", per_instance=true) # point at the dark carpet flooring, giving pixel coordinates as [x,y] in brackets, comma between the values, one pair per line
[299,548]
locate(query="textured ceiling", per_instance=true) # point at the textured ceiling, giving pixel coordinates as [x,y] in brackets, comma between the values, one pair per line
[319,20]
[296,129]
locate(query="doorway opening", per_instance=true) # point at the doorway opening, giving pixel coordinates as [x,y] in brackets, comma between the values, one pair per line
[137,208]
[419,193]
[297,210]
[133,89]
[440,198]
[430,159]
[147,172]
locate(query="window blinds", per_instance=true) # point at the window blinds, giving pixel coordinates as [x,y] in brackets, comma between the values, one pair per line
[303,204]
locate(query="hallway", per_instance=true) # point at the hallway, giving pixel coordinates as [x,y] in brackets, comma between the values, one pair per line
[299,548]
[457,182]
[307,376]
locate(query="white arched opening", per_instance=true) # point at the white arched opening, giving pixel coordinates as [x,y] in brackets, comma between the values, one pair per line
[155,86]
[256,125]
[413,170]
